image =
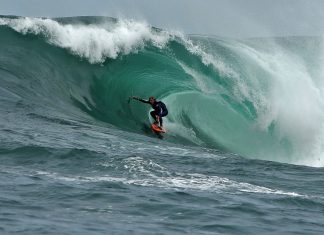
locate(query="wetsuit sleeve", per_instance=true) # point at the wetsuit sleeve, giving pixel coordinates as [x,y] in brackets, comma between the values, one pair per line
[144,101]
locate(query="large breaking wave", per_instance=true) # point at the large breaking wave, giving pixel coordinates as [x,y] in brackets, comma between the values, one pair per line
[259,98]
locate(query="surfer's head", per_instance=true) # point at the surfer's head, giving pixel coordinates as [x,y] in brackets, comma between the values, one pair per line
[152,99]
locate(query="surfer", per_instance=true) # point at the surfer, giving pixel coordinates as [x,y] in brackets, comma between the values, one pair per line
[160,109]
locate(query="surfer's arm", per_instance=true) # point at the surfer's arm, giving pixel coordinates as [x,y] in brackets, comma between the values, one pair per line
[141,100]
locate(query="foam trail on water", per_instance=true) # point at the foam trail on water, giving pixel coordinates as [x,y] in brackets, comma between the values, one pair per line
[195,182]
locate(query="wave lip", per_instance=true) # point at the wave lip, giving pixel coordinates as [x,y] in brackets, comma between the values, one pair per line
[93,42]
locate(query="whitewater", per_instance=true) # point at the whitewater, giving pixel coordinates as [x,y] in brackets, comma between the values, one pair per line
[243,152]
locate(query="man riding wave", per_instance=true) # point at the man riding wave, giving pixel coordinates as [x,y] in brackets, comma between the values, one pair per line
[160,110]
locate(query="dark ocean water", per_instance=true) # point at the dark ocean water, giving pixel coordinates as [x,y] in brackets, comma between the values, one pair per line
[243,153]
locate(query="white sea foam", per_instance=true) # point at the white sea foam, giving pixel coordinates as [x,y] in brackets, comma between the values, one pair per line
[178,182]
[292,100]
[93,42]
[97,42]
[147,173]
[207,58]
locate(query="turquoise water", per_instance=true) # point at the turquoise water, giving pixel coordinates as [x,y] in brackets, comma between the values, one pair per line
[244,148]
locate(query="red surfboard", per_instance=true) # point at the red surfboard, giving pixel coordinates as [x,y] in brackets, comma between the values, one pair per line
[155,128]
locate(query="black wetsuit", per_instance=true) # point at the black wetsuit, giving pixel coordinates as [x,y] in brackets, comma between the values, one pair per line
[159,109]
